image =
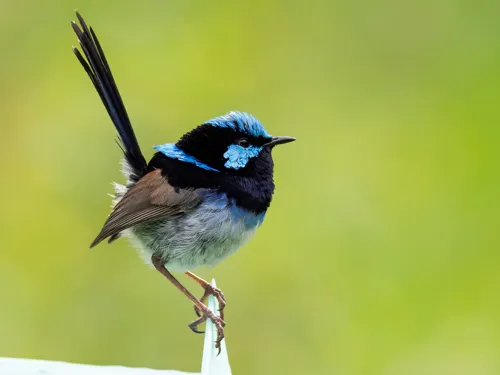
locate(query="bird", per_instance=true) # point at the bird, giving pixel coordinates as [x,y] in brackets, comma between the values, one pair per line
[197,200]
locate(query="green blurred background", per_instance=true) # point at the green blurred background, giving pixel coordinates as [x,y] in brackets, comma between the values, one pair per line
[380,253]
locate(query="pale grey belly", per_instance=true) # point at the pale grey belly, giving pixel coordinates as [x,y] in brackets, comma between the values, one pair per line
[201,238]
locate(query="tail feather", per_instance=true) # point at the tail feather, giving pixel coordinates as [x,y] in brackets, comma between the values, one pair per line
[100,74]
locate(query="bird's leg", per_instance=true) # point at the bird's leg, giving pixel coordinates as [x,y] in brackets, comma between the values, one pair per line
[209,290]
[206,313]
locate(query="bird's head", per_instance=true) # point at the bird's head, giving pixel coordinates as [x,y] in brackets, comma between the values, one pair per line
[235,143]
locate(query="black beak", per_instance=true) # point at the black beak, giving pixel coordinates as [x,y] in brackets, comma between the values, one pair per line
[279,141]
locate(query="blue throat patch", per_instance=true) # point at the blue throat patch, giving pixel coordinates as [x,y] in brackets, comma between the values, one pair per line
[237,156]
[241,121]
[174,152]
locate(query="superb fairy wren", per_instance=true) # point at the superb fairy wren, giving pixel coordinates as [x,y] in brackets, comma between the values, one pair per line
[198,200]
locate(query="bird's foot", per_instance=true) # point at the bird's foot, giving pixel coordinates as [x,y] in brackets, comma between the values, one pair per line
[217,293]
[201,309]
[205,313]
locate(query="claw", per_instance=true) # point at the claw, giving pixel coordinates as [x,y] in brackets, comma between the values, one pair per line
[194,325]
[197,311]
[217,321]
[220,337]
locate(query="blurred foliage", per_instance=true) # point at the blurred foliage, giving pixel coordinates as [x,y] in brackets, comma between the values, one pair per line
[380,253]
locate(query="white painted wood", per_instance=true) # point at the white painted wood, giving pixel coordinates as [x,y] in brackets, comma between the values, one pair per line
[19,366]
[213,364]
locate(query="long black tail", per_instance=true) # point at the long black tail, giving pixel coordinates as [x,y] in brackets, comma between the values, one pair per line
[100,74]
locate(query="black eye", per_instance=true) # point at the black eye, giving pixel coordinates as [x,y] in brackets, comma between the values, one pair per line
[243,142]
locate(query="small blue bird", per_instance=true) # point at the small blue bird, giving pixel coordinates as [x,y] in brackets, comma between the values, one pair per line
[198,200]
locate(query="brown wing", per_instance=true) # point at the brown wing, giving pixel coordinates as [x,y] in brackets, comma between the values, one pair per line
[151,198]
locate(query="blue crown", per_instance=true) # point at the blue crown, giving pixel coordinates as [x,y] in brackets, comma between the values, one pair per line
[241,121]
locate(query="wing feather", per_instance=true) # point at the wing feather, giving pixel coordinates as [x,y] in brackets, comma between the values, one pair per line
[151,198]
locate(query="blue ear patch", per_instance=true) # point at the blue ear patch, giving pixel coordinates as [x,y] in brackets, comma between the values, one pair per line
[237,156]
[174,152]
[241,121]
